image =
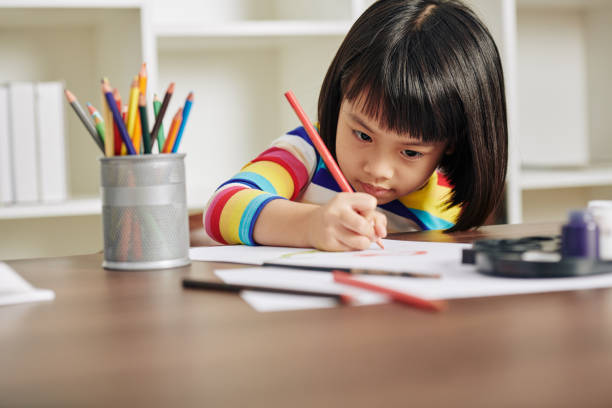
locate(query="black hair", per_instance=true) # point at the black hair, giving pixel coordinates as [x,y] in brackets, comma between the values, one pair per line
[429,68]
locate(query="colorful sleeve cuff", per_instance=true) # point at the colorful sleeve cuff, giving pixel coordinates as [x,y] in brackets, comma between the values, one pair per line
[231,216]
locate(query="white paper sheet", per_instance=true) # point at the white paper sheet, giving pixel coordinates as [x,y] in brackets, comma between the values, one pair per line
[458,281]
[409,256]
[14,289]
[293,279]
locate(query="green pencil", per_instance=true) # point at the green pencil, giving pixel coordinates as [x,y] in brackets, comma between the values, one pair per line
[144,123]
[160,134]
[97,118]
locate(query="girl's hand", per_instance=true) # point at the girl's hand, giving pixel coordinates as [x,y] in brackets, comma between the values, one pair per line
[348,222]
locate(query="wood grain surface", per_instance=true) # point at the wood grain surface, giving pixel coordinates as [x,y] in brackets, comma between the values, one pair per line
[138,339]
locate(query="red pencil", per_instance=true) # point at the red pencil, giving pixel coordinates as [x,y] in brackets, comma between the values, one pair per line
[397,296]
[119,145]
[331,164]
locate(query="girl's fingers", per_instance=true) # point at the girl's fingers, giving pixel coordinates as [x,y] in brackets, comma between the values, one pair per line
[356,223]
[380,225]
[360,202]
[352,241]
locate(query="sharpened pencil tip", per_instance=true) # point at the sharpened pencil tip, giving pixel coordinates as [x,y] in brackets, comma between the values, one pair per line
[69,95]
[171,88]
[190,97]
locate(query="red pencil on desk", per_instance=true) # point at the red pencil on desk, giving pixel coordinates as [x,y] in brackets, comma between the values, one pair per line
[397,296]
[328,159]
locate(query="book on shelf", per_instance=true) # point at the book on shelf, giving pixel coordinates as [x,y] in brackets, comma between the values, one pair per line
[23,141]
[50,138]
[32,143]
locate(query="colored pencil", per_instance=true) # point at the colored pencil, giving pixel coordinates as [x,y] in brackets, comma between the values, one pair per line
[331,164]
[132,109]
[144,122]
[162,110]
[142,79]
[226,287]
[97,118]
[120,148]
[397,296]
[160,134]
[109,123]
[72,100]
[357,271]
[142,90]
[124,113]
[186,110]
[176,122]
[117,117]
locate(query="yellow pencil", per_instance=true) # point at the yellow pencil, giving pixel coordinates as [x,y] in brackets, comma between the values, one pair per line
[132,109]
[109,142]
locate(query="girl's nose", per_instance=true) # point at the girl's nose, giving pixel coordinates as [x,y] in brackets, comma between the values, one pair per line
[378,168]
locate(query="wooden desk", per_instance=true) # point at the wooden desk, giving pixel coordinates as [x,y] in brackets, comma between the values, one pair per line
[138,338]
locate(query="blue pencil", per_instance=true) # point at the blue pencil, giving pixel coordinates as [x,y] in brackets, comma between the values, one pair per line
[186,110]
[112,104]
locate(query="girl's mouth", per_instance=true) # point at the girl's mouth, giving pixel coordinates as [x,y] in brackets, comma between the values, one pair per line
[378,192]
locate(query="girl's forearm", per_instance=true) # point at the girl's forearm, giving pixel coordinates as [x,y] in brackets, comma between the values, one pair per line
[284,223]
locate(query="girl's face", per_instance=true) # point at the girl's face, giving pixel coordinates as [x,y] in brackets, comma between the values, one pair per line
[382,163]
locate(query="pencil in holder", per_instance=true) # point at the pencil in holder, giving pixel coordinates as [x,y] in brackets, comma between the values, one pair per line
[144,212]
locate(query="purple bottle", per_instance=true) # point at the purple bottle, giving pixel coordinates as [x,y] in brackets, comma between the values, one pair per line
[580,236]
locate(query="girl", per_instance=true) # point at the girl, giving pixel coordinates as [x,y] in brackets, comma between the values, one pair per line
[413,110]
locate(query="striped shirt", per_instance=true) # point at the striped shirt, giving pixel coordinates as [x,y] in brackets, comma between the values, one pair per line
[292,169]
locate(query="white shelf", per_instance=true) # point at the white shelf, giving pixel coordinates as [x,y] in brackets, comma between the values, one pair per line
[532,179]
[81,206]
[245,33]
[256,29]
[70,208]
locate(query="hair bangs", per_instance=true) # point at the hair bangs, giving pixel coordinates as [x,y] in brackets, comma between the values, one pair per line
[419,99]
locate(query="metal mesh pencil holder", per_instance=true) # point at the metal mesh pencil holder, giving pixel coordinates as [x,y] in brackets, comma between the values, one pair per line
[144,211]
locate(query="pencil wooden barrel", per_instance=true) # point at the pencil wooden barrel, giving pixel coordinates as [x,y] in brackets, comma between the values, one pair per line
[144,212]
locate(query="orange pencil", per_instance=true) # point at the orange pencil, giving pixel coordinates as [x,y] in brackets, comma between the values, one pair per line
[142,79]
[174,127]
[331,164]
[397,296]
[142,90]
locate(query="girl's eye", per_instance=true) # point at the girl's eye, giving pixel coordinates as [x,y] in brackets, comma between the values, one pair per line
[412,154]
[362,136]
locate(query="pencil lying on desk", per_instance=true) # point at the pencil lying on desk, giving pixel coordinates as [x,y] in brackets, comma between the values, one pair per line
[396,296]
[315,138]
[356,271]
[226,287]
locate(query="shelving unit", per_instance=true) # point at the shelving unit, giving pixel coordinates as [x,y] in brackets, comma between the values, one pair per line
[564,135]
[240,56]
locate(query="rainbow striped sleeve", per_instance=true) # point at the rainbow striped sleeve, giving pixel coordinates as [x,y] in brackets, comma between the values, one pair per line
[280,172]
